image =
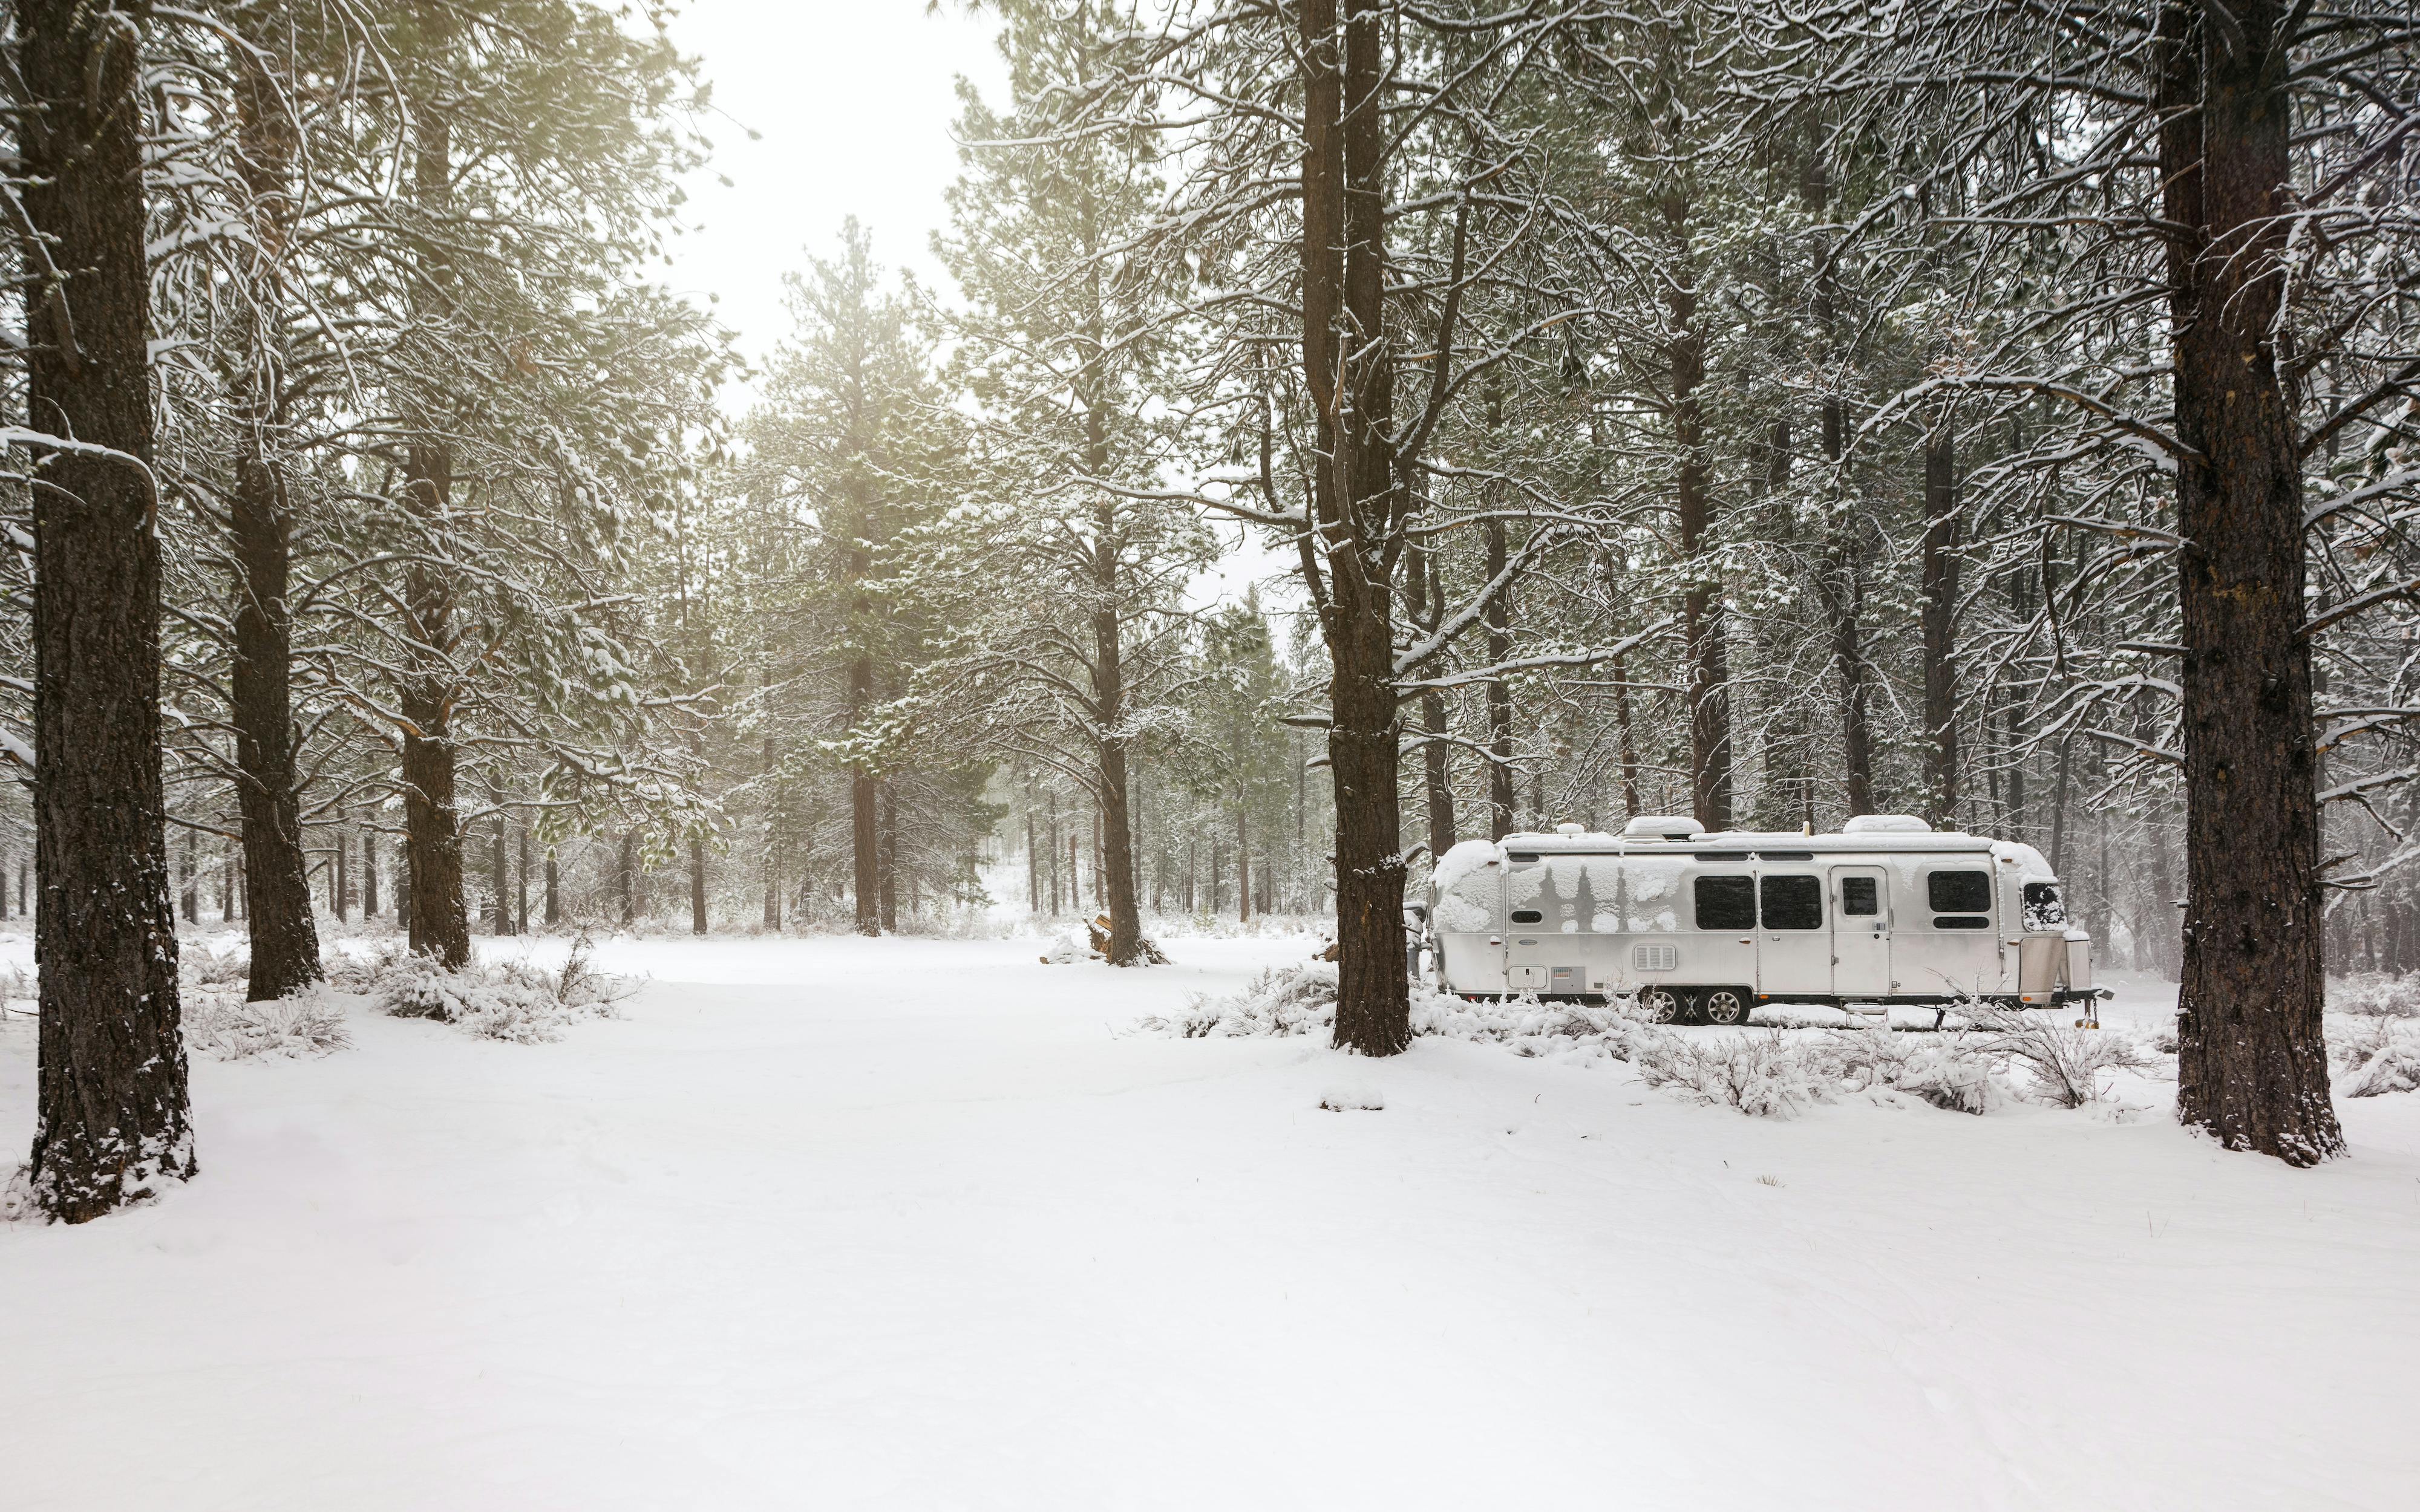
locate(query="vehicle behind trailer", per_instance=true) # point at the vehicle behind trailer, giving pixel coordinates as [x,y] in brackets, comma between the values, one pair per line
[1695,925]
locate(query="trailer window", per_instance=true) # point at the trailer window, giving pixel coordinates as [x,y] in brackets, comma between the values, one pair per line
[1793,903]
[1960,900]
[1861,897]
[1960,893]
[2044,909]
[1529,916]
[1726,903]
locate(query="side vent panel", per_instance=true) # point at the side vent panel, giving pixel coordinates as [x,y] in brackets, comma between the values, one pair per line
[1656,957]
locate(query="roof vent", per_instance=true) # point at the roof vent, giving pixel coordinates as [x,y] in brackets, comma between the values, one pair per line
[1663,826]
[1571,830]
[1887,824]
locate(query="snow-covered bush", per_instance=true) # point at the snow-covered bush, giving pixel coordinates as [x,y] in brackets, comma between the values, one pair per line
[1281,1001]
[512,1000]
[220,1023]
[2374,1055]
[226,1027]
[2376,994]
[1301,999]
[1949,1070]
[2063,1064]
[1764,1075]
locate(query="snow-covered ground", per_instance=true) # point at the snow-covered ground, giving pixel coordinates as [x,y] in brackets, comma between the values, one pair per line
[903,1224]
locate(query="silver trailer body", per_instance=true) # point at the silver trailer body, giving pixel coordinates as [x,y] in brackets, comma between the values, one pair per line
[1888,911]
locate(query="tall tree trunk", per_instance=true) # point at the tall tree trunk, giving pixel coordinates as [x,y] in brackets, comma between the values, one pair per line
[190,897]
[1243,865]
[1629,739]
[441,925]
[554,890]
[521,883]
[1842,584]
[1707,679]
[1108,699]
[369,873]
[1938,624]
[2252,1064]
[112,1124]
[887,857]
[500,874]
[283,937]
[1498,615]
[1357,507]
[626,878]
[865,849]
[696,885]
[1424,607]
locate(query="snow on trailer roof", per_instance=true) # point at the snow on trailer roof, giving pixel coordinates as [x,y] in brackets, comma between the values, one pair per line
[1665,835]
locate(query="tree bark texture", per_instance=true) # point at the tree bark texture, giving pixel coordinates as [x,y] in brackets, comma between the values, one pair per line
[112,1124]
[1424,596]
[1938,626]
[1498,615]
[1357,508]
[2252,1064]
[441,925]
[1708,690]
[285,938]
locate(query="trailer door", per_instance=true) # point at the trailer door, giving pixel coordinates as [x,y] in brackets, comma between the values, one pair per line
[1794,948]
[1861,904]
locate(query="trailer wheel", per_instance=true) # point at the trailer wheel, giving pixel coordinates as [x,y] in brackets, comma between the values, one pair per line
[1723,1006]
[1660,1004]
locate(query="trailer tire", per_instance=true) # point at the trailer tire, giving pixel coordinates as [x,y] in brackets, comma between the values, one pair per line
[1662,1005]
[1723,1006]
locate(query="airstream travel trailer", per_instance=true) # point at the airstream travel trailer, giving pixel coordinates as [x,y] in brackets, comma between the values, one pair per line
[1707,926]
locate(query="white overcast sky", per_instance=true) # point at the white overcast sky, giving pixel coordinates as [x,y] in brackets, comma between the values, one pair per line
[854,98]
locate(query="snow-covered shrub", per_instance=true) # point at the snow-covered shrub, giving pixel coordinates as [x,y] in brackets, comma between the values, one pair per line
[1949,1070]
[2376,994]
[2376,1056]
[1281,1001]
[1764,1075]
[360,972]
[1285,1001]
[512,1000]
[2063,1065]
[220,1023]
[226,1027]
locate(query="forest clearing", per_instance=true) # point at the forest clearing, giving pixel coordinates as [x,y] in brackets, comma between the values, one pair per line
[1103,753]
[919,1224]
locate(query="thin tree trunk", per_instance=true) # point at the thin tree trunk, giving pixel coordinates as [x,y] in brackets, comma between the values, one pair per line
[625,881]
[1499,616]
[1938,624]
[2252,1064]
[888,857]
[1242,866]
[500,874]
[369,875]
[696,885]
[1424,603]
[553,894]
[188,902]
[112,1122]
[1707,690]
[441,925]
[1629,739]
[285,938]
[520,884]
